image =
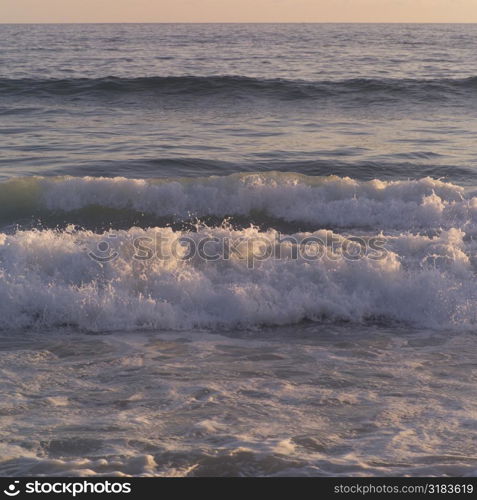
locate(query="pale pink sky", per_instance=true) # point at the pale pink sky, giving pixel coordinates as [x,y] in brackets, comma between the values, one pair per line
[55,11]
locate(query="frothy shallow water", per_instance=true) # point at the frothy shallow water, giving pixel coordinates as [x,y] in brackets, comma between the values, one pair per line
[375,377]
[311,400]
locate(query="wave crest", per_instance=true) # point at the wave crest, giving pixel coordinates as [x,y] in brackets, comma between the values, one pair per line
[333,202]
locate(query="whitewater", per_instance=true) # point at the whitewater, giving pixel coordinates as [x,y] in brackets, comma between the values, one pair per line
[425,277]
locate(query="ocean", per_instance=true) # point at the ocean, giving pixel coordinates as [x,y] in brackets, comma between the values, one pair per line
[238,250]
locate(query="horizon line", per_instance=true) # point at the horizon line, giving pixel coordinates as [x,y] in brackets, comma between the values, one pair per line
[237,22]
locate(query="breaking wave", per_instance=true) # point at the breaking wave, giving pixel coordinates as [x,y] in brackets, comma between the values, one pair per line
[426,277]
[318,202]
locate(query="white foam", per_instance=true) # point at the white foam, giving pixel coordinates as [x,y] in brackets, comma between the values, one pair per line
[323,201]
[47,279]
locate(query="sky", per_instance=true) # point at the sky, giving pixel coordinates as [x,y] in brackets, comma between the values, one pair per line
[74,11]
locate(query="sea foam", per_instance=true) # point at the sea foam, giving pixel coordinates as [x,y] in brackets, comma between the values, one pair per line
[425,277]
[331,202]
[48,279]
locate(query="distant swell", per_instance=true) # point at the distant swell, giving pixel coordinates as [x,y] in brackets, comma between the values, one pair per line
[237,86]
